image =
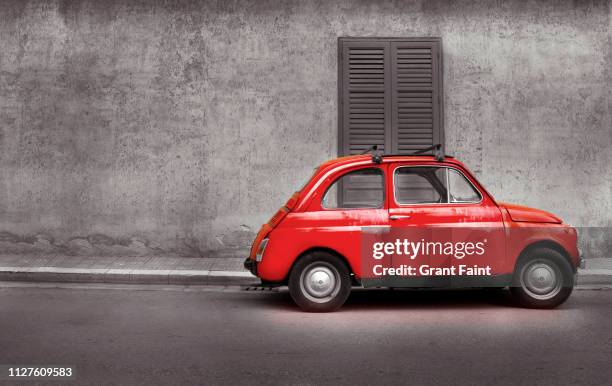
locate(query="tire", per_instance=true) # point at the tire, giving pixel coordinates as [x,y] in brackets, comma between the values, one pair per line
[319,282]
[543,278]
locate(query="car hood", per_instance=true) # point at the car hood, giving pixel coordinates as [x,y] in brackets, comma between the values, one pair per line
[526,214]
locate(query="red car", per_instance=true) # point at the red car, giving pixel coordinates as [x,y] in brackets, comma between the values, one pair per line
[410,221]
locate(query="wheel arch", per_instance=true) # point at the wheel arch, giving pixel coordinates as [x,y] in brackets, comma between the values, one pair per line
[551,244]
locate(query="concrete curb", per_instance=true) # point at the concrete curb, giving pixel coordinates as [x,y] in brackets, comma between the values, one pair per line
[585,277]
[594,277]
[126,276]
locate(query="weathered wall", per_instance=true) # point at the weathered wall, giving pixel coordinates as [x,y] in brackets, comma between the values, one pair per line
[178,127]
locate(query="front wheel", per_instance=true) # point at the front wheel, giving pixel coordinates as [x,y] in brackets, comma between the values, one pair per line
[319,282]
[542,279]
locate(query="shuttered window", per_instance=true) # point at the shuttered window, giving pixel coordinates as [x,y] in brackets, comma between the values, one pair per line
[390,94]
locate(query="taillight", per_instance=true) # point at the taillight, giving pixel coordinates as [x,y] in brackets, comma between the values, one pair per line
[266,228]
[261,250]
[263,232]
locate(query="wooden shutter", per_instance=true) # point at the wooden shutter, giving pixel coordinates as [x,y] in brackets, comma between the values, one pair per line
[366,99]
[390,94]
[415,118]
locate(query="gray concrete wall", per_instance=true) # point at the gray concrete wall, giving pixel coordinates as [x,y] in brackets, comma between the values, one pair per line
[137,127]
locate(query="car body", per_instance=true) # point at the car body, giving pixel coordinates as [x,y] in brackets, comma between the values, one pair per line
[305,226]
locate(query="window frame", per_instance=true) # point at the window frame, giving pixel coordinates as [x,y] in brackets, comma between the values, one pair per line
[439,101]
[337,177]
[400,205]
[448,187]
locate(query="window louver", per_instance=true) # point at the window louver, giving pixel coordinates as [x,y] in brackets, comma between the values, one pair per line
[366,80]
[389,94]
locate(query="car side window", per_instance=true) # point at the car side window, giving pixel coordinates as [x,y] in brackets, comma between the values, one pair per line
[420,185]
[363,188]
[461,190]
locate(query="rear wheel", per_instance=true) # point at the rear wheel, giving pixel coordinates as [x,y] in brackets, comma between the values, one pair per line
[542,279]
[319,282]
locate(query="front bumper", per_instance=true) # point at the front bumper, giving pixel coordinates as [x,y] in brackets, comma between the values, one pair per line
[251,265]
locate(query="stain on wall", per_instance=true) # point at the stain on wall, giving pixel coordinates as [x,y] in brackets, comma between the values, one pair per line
[178,127]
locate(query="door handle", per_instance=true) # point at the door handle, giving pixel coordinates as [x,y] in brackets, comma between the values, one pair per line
[399,216]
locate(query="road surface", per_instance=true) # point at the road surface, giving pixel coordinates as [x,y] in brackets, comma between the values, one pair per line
[128,335]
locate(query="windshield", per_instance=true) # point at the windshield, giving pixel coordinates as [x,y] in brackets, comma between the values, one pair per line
[309,178]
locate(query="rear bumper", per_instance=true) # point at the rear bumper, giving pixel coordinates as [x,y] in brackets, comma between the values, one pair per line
[251,265]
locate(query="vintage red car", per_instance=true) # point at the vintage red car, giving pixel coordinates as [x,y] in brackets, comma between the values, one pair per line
[315,242]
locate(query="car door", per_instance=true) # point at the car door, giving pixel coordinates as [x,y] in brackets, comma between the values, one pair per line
[352,201]
[456,226]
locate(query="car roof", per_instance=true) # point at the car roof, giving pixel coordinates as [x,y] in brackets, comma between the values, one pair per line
[385,159]
[365,160]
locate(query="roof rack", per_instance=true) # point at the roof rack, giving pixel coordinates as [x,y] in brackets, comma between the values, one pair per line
[377,156]
[437,150]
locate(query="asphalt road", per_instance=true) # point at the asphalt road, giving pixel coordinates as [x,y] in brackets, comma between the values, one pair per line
[128,336]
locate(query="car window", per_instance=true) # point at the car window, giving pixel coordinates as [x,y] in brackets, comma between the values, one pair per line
[461,190]
[420,185]
[363,188]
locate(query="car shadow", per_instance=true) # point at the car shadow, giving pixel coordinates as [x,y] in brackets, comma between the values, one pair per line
[427,299]
[389,299]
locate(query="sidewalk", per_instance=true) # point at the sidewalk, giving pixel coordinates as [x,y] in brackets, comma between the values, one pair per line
[177,270]
[128,269]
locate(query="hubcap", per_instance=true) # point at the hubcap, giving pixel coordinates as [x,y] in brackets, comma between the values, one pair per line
[541,280]
[320,282]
